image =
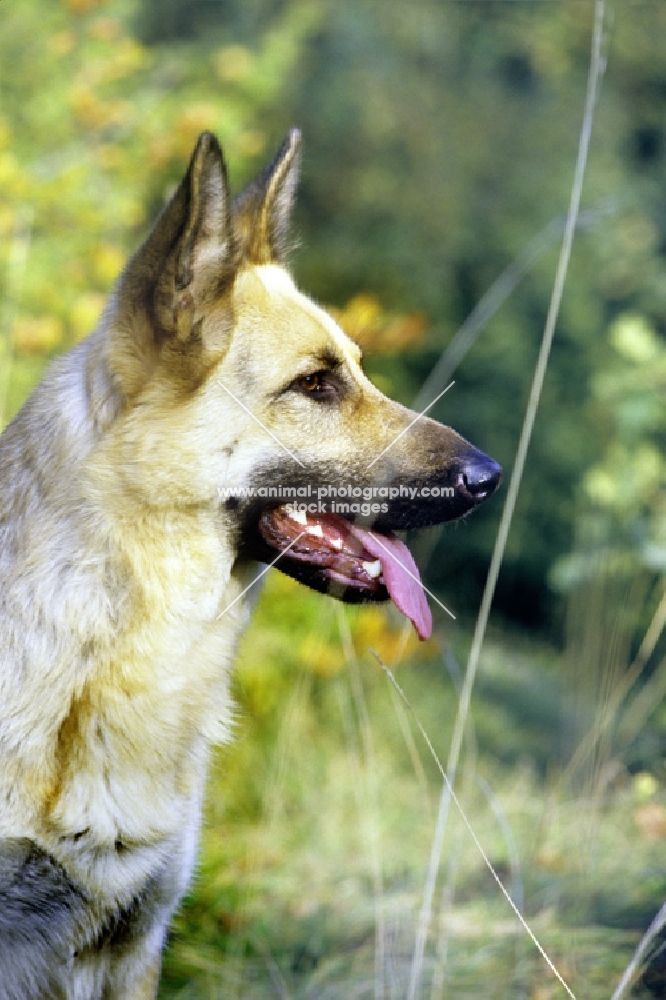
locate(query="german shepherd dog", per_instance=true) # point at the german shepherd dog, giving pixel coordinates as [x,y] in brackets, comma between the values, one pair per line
[138,492]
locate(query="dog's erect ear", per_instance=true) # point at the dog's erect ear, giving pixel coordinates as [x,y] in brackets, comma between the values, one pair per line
[262,212]
[206,237]
[203,258]
[172,292]
[190,255]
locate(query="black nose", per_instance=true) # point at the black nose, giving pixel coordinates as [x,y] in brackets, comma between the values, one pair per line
[479,475]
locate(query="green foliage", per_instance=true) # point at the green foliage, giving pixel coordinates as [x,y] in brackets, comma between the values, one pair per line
[626,489]
[95,128]
[320,816]
[456,128]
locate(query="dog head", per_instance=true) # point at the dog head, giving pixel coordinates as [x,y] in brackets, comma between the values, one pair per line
[259,408]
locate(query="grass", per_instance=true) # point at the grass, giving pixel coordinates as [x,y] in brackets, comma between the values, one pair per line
[320,819]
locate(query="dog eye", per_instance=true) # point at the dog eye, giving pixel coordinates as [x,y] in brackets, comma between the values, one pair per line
[311,383]
[317,384]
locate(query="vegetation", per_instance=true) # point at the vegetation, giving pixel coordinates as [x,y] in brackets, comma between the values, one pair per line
[439,148]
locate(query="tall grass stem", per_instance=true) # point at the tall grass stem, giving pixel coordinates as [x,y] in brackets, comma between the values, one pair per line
[596,69]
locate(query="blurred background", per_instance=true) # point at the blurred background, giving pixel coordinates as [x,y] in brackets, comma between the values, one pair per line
[439,146]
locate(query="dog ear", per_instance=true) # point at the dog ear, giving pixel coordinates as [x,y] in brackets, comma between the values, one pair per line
[193,232]
[262,212]
[206,239]
[171,295]
[190,255]
[203,258]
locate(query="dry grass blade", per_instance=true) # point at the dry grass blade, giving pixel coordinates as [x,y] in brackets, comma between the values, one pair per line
[635,965]
[597,65]
[449,786]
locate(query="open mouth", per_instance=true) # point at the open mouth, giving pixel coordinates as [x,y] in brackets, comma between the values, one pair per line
[330,553]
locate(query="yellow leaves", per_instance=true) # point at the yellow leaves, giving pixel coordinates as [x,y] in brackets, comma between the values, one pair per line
[112,60]
[12,177]
[650,819]
[197,117]
[107,262]
[7,220]
[360,317]
[86,106]
[44,334]
[82,6]
[126,56]
[320,656]
[9,168]
[364,320]
[601,486]
[62,43]
[628,478]
[234,64]
[108,156]
[85,313]
[632,336]
[251,143]
[553,859]
[106,29]
[644,785]
[89,139]
[372,629]
[93,112]
[295,629]
[5,132]
[37,334]
[159,150]
[650,814]
[392,640]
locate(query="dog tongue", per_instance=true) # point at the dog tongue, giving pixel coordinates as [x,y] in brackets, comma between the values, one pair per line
[401,578]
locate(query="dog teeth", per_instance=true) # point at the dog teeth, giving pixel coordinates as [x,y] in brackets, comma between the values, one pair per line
[316,529]
[373,569]
[299,516]
[336,543]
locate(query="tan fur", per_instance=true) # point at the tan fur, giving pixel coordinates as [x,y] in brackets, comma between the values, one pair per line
[117,559]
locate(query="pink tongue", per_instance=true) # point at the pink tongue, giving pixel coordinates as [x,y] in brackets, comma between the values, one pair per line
[401,577]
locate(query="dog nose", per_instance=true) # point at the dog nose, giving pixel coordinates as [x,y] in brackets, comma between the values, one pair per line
[479,476]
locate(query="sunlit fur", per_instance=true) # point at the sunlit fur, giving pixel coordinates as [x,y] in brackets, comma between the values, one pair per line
[117,562]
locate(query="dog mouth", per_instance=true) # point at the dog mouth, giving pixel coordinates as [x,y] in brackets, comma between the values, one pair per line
[331,554]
